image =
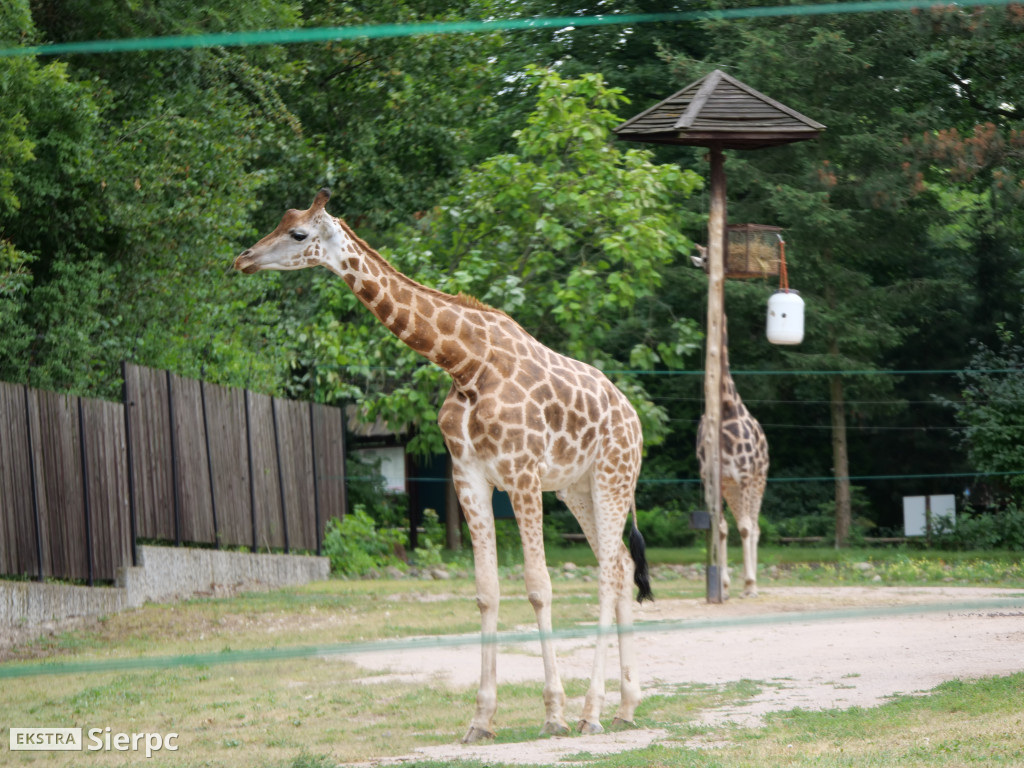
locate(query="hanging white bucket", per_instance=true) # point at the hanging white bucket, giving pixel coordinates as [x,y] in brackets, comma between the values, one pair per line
[785,318]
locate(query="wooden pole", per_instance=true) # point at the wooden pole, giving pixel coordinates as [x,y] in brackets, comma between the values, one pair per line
[713,374]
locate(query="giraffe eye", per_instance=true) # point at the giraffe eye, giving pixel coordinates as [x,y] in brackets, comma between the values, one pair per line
[299,235]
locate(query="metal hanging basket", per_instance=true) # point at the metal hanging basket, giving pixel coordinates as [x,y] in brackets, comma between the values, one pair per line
[752,250]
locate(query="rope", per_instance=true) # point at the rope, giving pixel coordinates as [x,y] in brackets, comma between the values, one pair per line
[783,274]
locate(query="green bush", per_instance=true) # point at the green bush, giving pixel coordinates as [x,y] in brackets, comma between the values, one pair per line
[666,527]
[428,550]
[982,531]
[355,546]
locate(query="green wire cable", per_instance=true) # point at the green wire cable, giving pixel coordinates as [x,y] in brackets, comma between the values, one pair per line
[377,31]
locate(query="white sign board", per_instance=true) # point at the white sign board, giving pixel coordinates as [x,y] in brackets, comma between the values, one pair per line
[916,508]
[392,465]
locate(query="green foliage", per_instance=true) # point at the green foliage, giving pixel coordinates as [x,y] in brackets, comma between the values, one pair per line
[431,542]
[15,282]
[991,408]
[667,527]
[355,546]
[990,530]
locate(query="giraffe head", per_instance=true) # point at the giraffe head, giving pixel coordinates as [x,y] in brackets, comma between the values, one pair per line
[302,239]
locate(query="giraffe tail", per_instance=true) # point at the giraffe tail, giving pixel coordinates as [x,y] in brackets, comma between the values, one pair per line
[638,551]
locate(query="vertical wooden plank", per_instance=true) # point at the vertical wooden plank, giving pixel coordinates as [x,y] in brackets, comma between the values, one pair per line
[225,412]
[60,475]
[193,469]
[19,544]
[35,457]
[83,458]
[209,465]
[266,488]
[297,471]
[107,467]
[146,397]
[129,468]
[329,439]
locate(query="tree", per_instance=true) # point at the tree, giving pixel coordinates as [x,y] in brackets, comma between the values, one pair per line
[138,195]
[567,234]
[991,410]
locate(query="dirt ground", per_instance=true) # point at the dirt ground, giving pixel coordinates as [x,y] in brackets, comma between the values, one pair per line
[809,647]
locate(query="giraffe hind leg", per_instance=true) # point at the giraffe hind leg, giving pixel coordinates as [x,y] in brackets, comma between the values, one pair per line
[616,576]
[745,502]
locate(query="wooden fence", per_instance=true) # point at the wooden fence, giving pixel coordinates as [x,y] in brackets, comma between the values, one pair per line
[179,460]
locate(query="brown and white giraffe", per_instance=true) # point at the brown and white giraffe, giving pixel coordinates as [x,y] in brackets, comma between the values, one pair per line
[519,417]
[744,474]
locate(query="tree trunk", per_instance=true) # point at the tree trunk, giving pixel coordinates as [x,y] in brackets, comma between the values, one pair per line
[840,461]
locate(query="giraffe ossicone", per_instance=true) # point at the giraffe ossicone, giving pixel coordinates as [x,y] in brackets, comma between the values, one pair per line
[521,418]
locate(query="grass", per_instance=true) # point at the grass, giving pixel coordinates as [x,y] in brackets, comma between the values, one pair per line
[287,712]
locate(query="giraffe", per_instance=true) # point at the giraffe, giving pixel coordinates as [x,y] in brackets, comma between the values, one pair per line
[744,473]
[521,418]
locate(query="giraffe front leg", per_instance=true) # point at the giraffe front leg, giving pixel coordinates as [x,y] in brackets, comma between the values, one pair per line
[476,504]
[529,516]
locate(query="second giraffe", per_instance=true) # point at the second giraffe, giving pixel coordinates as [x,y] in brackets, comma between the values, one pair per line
[744,475]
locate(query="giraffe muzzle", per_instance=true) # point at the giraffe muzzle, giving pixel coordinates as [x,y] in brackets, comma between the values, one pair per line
[245,263]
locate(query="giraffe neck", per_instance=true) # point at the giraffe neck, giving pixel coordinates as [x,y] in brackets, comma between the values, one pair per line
[730,396]
[430,322]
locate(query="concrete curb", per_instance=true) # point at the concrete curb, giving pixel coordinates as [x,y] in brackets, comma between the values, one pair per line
[164,574]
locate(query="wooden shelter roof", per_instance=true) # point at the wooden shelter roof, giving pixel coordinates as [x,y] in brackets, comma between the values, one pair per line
[719,110]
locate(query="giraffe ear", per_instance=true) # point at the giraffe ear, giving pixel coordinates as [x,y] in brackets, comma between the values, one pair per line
[321,199]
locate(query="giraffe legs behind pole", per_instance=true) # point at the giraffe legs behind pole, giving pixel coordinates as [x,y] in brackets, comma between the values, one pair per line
[745,503]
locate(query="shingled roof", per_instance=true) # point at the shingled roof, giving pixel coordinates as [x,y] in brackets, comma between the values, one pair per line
[720,110]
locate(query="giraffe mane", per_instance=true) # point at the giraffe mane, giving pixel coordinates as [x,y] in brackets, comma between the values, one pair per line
[473,302]
[462,299]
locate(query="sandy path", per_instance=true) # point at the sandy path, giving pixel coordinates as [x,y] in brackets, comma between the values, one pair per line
[816,648]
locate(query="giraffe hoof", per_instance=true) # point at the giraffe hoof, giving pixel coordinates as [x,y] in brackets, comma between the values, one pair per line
[590,728]
[476,734]
[618,724]
[554,728]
